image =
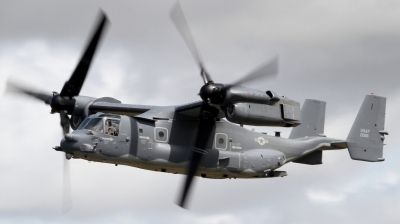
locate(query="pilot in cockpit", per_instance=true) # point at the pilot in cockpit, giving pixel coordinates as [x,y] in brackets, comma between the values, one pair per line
[110,130]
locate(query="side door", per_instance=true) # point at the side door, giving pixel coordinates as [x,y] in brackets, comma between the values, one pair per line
[124,137]
[108,141]
[145,143]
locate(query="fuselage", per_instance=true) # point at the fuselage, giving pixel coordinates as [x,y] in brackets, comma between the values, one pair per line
[165,145]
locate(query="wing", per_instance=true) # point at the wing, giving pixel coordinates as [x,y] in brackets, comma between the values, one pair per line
[193,109]
[190,109]
[113,106]
[119,108]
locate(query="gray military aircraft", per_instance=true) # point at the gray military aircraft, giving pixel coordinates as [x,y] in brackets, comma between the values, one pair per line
[195,139]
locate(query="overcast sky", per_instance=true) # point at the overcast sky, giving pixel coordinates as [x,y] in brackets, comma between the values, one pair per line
[336,51]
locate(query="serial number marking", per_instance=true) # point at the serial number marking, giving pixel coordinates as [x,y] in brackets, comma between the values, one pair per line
[364,133]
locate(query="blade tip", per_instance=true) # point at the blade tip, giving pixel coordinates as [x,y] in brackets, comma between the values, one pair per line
[181,205]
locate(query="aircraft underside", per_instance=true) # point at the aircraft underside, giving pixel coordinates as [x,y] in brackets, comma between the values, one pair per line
[160,165]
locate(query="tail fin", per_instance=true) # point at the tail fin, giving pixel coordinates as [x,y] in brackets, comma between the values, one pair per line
[312,120]
[365,140]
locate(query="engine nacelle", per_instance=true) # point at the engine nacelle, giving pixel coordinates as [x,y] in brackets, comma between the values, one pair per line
[236,94]
[284,113]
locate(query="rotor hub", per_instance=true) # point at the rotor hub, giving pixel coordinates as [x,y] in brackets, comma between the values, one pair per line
[212,93]
[59,103]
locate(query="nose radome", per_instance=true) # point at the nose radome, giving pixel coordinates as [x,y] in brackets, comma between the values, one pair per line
[68,146]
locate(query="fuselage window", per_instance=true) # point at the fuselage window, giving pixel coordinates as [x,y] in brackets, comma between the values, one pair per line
[112,126]
[95,124]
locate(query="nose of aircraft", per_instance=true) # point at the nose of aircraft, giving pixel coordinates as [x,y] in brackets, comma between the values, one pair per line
[75,142]
[68,146]
[71,142]
[72,137]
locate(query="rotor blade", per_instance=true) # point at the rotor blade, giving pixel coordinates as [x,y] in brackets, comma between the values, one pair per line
[204,129]
[182,26]
[191,171]
[267,70]
[67,196]
[23,90]
[73,86]
[64,122]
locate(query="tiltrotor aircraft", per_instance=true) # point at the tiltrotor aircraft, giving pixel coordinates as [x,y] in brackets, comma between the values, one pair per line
[195,139]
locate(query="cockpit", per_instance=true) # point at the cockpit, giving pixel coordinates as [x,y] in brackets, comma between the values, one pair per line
[105,124]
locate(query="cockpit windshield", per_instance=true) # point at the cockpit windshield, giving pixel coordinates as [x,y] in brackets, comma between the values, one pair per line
[104,125]
[84,123]
[95,124]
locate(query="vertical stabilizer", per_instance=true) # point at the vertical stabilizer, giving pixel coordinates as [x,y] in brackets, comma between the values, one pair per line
[312,120]
[365,140]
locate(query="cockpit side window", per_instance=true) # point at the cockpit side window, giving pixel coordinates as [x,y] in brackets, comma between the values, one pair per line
[112,126]
[95,124]
[84,122]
